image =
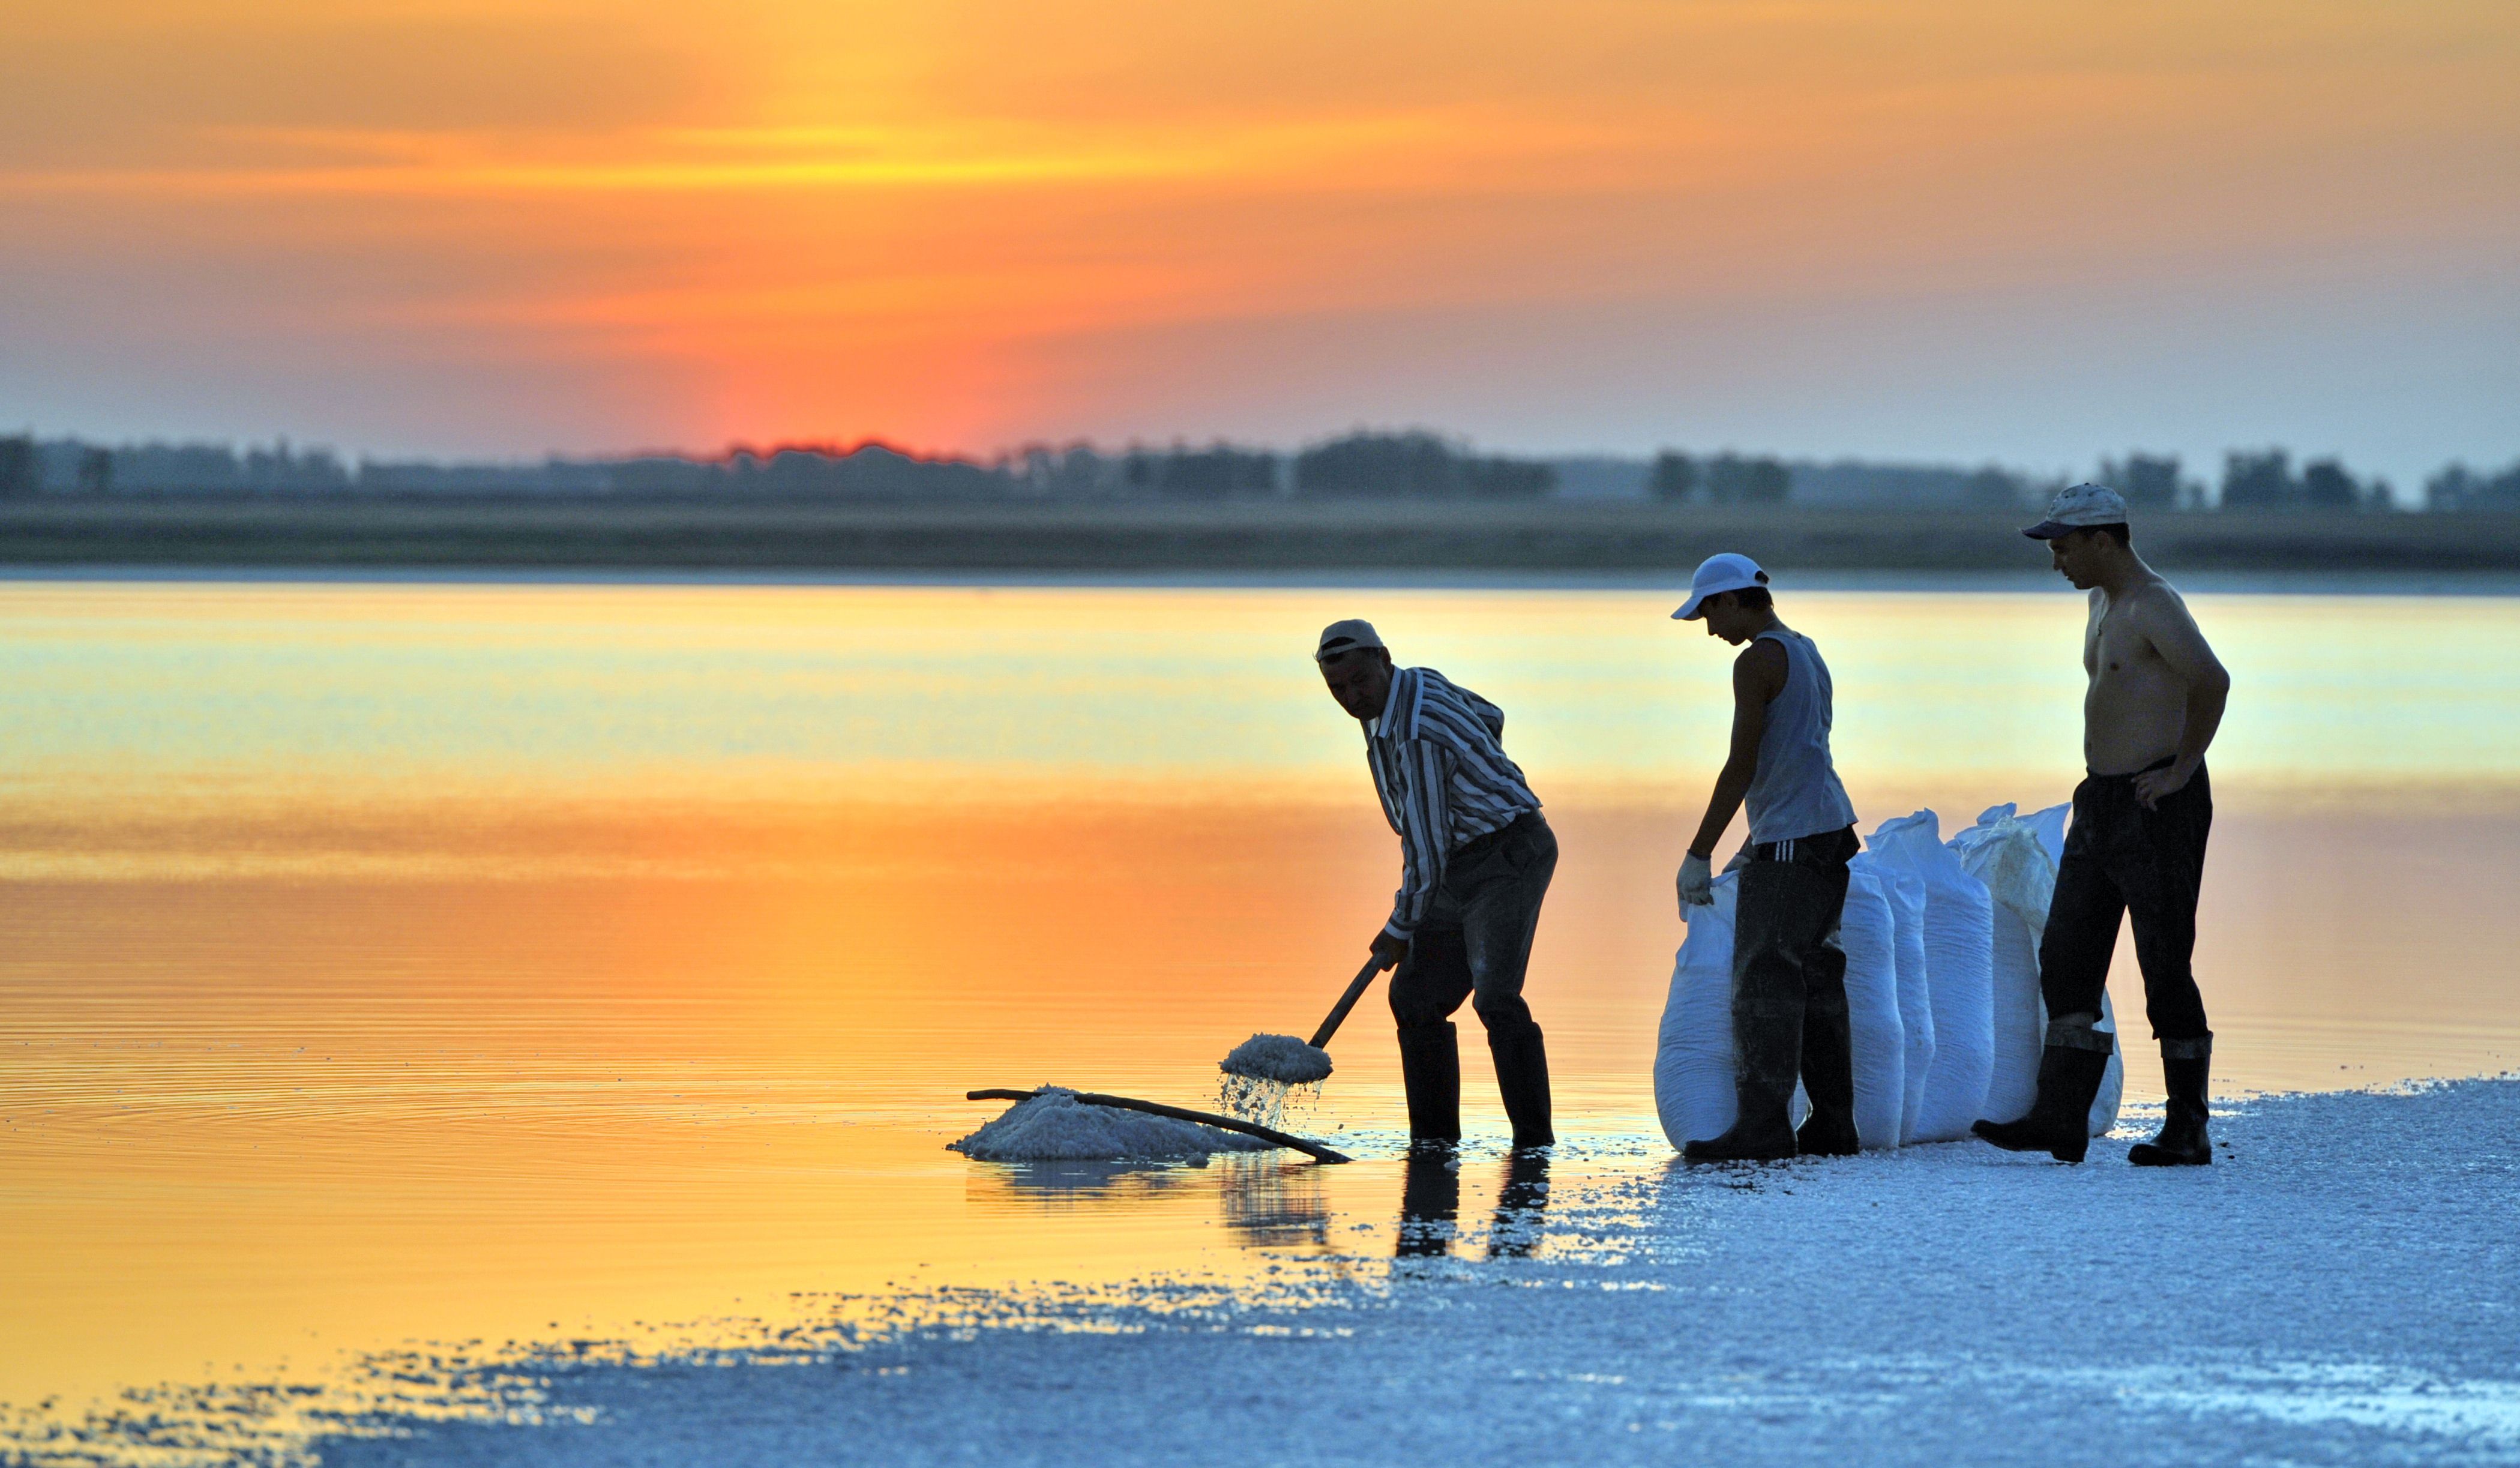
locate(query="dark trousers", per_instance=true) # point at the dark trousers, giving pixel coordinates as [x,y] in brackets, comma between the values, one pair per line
[1475,943]
[2121,859]
[1790,971]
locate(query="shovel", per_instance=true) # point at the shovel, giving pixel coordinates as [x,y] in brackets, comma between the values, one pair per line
[1338,1012]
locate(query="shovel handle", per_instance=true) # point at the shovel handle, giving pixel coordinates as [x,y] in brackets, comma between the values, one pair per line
[1338,1012]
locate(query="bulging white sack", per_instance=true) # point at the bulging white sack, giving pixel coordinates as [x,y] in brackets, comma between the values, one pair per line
[1869,933]
[2017,857]
[1960,942]
[1904,892]
[1693,1056]
[2003,852]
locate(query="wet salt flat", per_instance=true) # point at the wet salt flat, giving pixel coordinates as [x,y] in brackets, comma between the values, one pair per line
[2339,1289]
[2306,1303]
[410,985]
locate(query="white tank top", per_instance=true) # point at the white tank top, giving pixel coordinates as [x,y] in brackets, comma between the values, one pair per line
[1795,793]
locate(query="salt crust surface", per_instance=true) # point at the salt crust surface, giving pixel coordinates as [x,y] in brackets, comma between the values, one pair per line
[1056,1127]
[1278,1057]
[2343,1287]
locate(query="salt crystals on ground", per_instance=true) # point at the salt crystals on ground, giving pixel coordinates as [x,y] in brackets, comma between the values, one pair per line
[2342,1287]
[1052,1125]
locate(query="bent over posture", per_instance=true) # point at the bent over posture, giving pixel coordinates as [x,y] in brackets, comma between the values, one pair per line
[1789,971]
[2137,847]
[1475,858]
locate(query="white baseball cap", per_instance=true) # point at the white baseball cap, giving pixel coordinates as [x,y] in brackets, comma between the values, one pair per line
[2079,509]
[1722,572]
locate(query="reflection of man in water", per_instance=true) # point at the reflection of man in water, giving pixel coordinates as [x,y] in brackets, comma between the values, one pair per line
[1430,1202]
[1475,858]
[1788,971]
[2137,842]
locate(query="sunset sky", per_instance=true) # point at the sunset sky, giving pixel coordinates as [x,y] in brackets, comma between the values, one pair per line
[2026,231]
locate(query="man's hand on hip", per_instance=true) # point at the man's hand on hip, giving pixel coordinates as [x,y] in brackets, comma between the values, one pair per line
[1696,884]
[1388,950]
[2152,784]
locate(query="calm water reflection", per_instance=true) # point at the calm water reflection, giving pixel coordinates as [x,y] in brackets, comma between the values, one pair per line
[504,962]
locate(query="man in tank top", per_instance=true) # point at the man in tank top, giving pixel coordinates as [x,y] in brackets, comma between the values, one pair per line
[1788,972]
[2136,846]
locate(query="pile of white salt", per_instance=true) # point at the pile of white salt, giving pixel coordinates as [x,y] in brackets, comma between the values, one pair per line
[1052,1125]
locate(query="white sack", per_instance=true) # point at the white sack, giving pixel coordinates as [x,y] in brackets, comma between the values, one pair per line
[1904,892]
[1869,934]
[1960,942]
[1693,1057]
[2049,824]
[1694,1061]
[2003,852]
[2017,857]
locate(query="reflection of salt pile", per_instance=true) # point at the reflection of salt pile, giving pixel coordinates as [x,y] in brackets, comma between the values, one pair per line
[1054,1125]
[1265,1072]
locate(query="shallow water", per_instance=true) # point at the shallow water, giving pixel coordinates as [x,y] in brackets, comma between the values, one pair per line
[474,962]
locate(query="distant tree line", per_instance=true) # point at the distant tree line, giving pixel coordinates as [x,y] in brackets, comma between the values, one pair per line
[2458,487]
[1362,465]
[2264,479]
[1728,478]
[1355,465]
[1415,466]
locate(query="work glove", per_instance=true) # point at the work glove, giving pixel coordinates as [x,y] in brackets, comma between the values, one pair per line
[1696,884]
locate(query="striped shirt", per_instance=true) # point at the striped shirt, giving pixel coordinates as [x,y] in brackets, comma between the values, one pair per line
[1445,782]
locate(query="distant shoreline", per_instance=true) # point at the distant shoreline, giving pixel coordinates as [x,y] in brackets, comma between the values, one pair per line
[2271,583]
[1337,538]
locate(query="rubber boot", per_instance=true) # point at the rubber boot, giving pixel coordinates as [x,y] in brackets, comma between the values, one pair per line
[1829,1076]
[1430,1071]
[1522,1081]
[2183,1141]
[2060,1123]
[1767,1048]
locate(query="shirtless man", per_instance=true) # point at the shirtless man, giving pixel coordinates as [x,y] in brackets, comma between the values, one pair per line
[2138,841]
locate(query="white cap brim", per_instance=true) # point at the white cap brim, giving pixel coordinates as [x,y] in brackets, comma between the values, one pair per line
[1696,603]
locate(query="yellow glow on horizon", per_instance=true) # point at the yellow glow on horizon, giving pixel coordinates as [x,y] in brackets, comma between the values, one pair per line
[940,222]
[681,160]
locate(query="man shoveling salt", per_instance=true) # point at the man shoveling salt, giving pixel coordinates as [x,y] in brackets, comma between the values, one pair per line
[1475,860]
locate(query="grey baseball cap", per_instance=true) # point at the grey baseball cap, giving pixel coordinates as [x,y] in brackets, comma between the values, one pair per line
[1345,637]
[2079,509]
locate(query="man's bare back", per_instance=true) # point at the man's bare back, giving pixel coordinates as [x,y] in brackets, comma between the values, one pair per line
[2144,653]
